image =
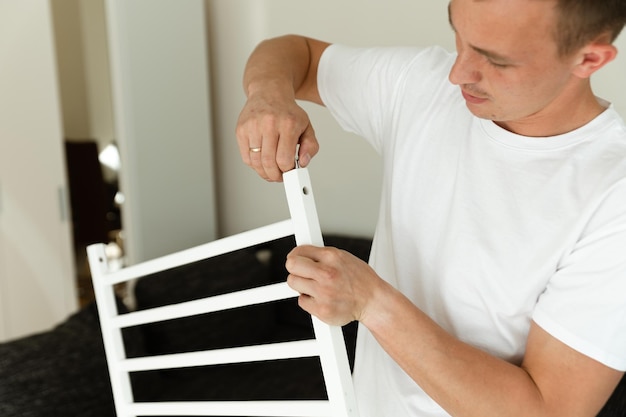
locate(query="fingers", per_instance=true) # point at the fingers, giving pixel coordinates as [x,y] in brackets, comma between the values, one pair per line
[313,262]
[267,137]
[264,162]
[315,273]
[305,269]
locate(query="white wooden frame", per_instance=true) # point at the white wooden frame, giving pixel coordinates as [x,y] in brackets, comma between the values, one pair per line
[328,343]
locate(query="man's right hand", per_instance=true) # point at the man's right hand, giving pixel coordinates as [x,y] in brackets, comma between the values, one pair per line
[268,131]
[271,124]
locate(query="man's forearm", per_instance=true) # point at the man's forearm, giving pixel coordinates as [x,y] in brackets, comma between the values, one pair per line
[554,380]
[278,64]
[285,66]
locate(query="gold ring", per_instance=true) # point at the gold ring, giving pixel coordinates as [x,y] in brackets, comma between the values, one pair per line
[255,149]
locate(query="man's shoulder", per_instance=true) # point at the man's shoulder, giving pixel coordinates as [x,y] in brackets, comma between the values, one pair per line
[393,54]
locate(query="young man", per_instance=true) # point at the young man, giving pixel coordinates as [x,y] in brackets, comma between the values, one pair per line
[497,279]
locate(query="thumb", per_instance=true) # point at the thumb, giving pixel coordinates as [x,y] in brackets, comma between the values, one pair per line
[308,146]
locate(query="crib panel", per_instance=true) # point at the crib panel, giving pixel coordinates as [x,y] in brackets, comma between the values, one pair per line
[328,343]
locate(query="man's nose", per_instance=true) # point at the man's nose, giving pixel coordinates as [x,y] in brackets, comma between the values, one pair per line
[464,70]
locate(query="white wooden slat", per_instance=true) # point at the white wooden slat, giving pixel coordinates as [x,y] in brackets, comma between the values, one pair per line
[197,253]
[273,351]
[319,408]
[333,356]
[259,295]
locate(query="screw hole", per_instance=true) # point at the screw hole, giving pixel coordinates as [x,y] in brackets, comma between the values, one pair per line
[305,191]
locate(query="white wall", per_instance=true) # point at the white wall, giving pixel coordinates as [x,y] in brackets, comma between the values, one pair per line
[84,76]
[37,288]
[345,173]
[610,82]
[158,52]
[70,58]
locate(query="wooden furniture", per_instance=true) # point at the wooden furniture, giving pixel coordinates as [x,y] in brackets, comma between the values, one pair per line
[327,344]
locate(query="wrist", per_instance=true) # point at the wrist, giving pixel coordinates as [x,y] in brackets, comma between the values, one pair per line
[270,88]
[377,311]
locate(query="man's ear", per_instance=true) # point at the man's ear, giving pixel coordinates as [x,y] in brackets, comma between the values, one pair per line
[594,56]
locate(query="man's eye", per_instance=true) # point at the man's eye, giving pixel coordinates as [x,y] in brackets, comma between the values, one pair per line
[496,64]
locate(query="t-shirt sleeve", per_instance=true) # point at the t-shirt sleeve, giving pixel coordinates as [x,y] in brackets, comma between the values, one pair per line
[363,88]
[584,304]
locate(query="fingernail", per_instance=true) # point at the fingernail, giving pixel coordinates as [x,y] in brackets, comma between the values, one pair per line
[304,160]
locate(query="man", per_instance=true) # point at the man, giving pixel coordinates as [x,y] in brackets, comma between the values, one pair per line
[497,284]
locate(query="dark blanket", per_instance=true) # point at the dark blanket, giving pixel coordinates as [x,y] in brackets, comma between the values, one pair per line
[58,373]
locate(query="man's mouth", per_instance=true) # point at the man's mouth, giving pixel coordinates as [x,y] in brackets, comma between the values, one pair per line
[470,98]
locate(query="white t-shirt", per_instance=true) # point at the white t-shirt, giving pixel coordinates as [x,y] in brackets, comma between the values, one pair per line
[483,229]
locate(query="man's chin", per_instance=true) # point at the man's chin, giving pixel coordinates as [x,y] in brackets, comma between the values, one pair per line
[481,112]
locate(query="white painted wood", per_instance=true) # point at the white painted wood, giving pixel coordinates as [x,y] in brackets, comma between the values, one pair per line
[328,343]
[37,280]
[274,351]
[333,356]
[243,408]
[207,250]
[206,305]
[111,337]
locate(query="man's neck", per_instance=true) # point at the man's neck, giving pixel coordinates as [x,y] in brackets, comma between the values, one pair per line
[568,113]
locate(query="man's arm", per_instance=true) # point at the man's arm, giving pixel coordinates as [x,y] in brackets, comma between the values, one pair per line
[278,72]
[553,380]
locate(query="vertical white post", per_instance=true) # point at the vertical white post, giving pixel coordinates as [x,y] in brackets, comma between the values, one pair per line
[333,356]
[111,335]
